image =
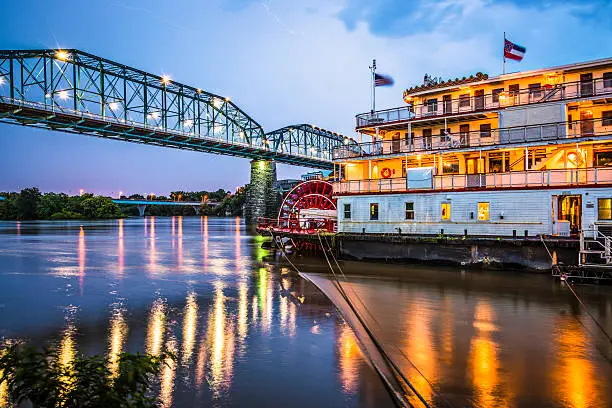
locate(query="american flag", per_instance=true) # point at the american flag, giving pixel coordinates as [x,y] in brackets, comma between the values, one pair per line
[382,80]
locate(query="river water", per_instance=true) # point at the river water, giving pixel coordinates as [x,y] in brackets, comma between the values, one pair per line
[249,332]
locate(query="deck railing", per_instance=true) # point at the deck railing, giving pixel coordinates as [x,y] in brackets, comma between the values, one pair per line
[297,226]
[469,104]
[514,179]
[550,132]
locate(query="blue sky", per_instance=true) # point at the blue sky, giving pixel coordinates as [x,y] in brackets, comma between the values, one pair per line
[283,62]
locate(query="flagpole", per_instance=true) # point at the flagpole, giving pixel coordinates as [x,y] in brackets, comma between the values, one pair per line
[504,54]
[373,69]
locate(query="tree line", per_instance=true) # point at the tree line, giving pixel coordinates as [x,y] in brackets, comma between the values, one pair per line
[31,204]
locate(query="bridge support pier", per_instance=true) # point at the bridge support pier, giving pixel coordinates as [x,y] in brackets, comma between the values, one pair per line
[261,199]
[196,209]
[141,209]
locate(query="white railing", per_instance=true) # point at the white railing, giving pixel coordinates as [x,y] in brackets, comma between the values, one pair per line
[548,132]
[435,107]
[515,179]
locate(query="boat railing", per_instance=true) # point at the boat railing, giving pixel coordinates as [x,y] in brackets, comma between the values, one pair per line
[513,179]
[296,225]
[449,141]
[470,103]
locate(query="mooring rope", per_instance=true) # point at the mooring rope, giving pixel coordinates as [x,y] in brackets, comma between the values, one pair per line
[437,393]
[344,296]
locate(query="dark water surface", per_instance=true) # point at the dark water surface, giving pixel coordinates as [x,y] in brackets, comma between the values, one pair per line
[247,332]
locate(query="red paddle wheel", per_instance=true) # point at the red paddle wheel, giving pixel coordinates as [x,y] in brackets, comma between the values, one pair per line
[309,207]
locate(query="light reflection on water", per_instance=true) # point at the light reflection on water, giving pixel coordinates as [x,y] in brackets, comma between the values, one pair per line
[238,322]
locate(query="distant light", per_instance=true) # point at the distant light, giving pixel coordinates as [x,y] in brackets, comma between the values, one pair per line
[113,106]
[227,99]
[262,165]
[120,194]
[62,55]
[1,80]
[81,191]
[165,79]
[218,103]
[47,95]
[241,134]
[154,115]
[188,123]
[198,90]
[63,94]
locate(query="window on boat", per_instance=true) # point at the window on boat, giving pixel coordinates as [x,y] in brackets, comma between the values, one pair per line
[410,210]
[347,211]
[483,211]
[607,79]
[485,130]
[604,208]
[373,211]
[603,159]
[464,100]
[445,211]
[606,118]
[495,94]
[445,135]
[450,165]
[535,91]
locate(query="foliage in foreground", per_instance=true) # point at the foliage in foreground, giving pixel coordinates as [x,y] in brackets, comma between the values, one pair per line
[39,377]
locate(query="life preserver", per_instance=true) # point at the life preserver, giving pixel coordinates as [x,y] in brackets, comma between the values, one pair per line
[385,172]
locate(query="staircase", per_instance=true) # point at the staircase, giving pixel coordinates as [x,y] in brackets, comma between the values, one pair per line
[595,250]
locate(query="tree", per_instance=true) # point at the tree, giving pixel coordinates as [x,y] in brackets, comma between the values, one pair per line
[39,377]
[27,204]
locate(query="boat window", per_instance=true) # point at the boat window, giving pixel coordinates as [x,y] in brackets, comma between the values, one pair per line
[373,211]
[607,79]
[347,211]
[495,95]
[604,208]
[485,130]
[483,211]
[464,100]
[410,210]
[603,159]
[446,209]
[606,118]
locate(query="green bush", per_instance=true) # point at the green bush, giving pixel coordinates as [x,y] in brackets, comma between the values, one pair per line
[38,377]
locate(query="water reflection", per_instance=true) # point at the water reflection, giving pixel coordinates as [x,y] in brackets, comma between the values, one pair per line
[348,353]
[156,328]
[168,374]
[221,344]
[189,327]
[152,250]
[81,255]
[118,333]
[120,250]
[578,386]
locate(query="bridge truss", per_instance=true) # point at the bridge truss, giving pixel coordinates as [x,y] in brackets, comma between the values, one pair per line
[74,91]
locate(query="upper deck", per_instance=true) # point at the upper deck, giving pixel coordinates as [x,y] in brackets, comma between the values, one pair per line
[475,97]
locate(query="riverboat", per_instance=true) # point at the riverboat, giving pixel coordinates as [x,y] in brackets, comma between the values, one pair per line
[524,154]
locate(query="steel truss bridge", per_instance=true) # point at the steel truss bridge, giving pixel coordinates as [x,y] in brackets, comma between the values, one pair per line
[77,92]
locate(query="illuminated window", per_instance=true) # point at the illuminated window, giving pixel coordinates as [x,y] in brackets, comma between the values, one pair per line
[347,211]
[496,92]
[373,211]
[410,210]
[604,208]
[446,209]
[483,211]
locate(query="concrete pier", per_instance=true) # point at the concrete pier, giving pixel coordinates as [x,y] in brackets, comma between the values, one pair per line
[261,200]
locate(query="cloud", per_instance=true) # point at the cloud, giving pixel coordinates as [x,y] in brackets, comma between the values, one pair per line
[398,18]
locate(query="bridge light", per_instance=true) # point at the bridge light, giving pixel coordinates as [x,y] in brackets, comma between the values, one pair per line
[188,123]
[227,99]
[165,79]
[113,106]
[47,95]
[62,55]
[81,191]
[63,94]
[198,90]
[218,103]
[154,115]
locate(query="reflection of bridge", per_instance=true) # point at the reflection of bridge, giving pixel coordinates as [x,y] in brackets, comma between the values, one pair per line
[142,204]
[77,92]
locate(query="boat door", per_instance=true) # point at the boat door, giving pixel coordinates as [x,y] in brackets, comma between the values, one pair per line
[586,123]
[586,84]
[473,178]
[569,208]
[395,143]
[479,99]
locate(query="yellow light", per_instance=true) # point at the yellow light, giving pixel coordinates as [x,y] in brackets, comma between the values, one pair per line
[62,55]
[198,90]
[262,164]
[165,79]
[113,106]
[227,99]
[218,103]
[63,95]
[483,211]
[81,191]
